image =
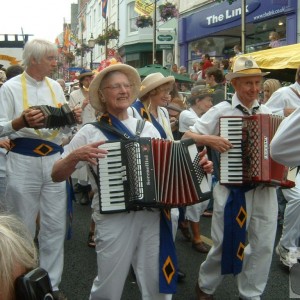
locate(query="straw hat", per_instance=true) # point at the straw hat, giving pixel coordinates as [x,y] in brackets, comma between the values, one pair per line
[245,67]
[130,72]
[153,81]
[84,73]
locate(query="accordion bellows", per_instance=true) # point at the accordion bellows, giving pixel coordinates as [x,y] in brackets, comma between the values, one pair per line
[56,117]
[150,173]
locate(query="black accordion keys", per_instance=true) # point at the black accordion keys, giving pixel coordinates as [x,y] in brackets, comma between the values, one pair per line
[56,117]
[151,173]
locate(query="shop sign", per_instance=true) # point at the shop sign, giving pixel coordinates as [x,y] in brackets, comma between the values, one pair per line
[164,46]
[234,12]
[165,37]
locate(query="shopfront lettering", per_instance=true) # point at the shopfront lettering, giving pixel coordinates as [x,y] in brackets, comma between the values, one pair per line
[229,14]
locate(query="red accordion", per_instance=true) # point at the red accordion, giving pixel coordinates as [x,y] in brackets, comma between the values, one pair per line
[150,173]
[249,162]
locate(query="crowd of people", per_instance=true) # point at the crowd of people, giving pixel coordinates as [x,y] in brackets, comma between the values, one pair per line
[39,164]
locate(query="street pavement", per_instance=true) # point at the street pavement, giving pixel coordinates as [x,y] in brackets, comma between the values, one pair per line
[80,267]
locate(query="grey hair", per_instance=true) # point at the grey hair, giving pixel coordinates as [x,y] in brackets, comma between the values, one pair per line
[37,49]
[17,250]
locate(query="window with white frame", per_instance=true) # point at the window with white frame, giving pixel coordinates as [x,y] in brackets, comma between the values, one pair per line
[132,17]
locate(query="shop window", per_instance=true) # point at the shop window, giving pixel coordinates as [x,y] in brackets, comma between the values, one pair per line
[257,34]
[221,45]
[133,60]
[132,17]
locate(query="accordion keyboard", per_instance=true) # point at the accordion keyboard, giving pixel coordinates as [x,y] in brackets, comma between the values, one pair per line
[231,162]
[112,175]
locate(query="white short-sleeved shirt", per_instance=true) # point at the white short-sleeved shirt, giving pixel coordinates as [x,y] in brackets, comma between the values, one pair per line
[284,98]
[208,124]
[186,119]
[285,146]
[90,134]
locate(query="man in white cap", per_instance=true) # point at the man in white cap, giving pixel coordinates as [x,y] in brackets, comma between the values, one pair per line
[254,210]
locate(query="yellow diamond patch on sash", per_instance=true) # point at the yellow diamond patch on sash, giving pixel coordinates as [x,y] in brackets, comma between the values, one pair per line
[43,149]
[240,252]
[167,213]
[168,269]
[241,217]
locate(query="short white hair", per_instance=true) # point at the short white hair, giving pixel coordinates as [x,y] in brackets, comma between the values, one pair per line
[37,49]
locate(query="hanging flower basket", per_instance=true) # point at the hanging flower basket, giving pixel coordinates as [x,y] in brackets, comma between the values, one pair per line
[168,11]
[101,39]
[144,21]
[82,49]
[112,33]
[109,34]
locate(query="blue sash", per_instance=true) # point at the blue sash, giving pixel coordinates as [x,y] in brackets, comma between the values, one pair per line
[139,106]
[34,147]
[235,217]
[120,129]
[167,255]
[70,199]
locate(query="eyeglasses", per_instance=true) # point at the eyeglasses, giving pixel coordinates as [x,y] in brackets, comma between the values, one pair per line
[118,86]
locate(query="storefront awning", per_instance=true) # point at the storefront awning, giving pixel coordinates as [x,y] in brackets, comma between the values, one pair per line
[285,57]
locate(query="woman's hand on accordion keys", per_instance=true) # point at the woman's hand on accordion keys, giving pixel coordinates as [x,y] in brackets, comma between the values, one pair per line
[90,153]
[206,164]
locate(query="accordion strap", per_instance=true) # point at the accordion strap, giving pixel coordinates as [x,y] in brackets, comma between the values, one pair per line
[103,125]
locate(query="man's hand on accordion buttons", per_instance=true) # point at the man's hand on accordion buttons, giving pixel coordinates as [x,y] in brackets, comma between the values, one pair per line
[206,164]
[33,118]
[218,143]
[90,153]
[77,111]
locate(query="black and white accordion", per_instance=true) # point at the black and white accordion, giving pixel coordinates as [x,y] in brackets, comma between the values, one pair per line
[56,117]
[150,173]
[249,162]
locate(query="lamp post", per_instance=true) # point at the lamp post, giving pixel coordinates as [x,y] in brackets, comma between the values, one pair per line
[91,44]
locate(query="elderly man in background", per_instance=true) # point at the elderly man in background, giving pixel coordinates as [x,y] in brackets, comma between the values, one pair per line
[34,149]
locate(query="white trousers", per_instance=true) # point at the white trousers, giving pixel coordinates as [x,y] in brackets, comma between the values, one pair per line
[291,223]
[30,190]
[193,212]
[125,239]
[262,209]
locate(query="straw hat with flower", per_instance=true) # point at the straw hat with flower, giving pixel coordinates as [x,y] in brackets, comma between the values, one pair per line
[130,72]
